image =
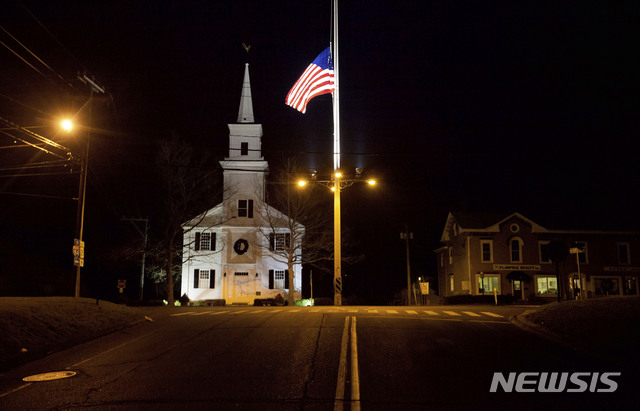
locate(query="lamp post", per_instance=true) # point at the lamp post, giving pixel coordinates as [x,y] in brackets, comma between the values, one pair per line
[337,183]
[78,244]
[406,235]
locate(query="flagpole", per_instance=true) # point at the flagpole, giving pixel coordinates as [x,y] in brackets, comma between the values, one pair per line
[337,257]
[336,92]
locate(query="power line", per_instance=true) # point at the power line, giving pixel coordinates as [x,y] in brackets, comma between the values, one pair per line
[37,195]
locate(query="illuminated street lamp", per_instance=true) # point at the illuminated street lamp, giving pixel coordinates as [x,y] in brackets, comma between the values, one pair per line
[337,183]
[66,125]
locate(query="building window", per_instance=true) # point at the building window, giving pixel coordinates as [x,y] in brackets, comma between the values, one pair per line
[544,252]
[205,241]
[244,149]
[487,282]
[516,250]
[486,247]
[623,253]
[204,278]
[279,241]
[450,255]
[241,274]
[451,282]
[245,208]
[441,259]
[546,285]
[278,279]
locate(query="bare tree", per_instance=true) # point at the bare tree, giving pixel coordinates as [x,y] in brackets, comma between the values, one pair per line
[190,186]
[297,228]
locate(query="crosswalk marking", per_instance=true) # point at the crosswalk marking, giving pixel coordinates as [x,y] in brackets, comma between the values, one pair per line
[452,313]
[349,310]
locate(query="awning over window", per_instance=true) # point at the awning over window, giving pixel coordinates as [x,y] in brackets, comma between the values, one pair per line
[518,275]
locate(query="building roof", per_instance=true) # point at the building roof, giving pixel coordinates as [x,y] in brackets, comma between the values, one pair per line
[490,222]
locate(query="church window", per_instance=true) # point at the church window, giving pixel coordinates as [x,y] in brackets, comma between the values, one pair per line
[244,149]
[278,279]
[245,208]
[205,241]
[279,241]
[204,278]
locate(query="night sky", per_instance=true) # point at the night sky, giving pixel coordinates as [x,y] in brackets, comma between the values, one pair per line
[527,107]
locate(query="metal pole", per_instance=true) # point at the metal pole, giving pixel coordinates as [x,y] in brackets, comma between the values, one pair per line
[337,274]
[406,237]
[144,255]
[82,186]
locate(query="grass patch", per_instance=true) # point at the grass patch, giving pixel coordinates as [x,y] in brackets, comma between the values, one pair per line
[32,327]
[608,324]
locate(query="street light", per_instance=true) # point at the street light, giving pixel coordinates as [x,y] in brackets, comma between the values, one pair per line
[337,183]
[66,125]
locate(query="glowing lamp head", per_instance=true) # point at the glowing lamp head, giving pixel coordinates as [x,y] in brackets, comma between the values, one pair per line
[337,174]
[302,183]
[371,182]
[66,125]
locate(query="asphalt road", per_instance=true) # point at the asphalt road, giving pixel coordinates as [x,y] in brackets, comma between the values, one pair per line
[314,358]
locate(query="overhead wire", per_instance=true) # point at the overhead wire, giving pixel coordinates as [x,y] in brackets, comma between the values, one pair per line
[32,54]
[52,36]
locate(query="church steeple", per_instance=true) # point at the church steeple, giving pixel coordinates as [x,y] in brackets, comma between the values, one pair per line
[245,168]
[245,113]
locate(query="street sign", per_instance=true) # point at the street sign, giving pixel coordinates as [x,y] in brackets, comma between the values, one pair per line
[78,253]
[122,283]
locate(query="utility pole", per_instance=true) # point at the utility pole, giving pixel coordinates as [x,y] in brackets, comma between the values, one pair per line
[78,244]
[144,235]
[406,235]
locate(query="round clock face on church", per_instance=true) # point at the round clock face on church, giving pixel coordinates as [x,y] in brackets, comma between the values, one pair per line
[241,246]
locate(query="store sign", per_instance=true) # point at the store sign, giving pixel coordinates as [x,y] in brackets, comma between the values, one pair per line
[514,267]
[622,269]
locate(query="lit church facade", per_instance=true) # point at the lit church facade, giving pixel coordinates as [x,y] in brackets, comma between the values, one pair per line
[232,251]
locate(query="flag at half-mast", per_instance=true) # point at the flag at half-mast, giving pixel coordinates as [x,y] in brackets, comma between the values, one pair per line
[317,79]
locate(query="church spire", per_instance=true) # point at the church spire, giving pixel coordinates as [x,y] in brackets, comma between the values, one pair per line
[245,113]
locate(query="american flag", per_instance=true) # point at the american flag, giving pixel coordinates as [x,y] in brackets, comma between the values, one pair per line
[317,79]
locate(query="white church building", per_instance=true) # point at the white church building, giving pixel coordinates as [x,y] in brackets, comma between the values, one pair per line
[232,251]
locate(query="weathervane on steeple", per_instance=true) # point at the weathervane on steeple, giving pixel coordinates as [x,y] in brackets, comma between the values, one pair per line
[244,45]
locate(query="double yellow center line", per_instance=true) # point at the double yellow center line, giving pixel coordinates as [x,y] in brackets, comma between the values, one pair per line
[348,335]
